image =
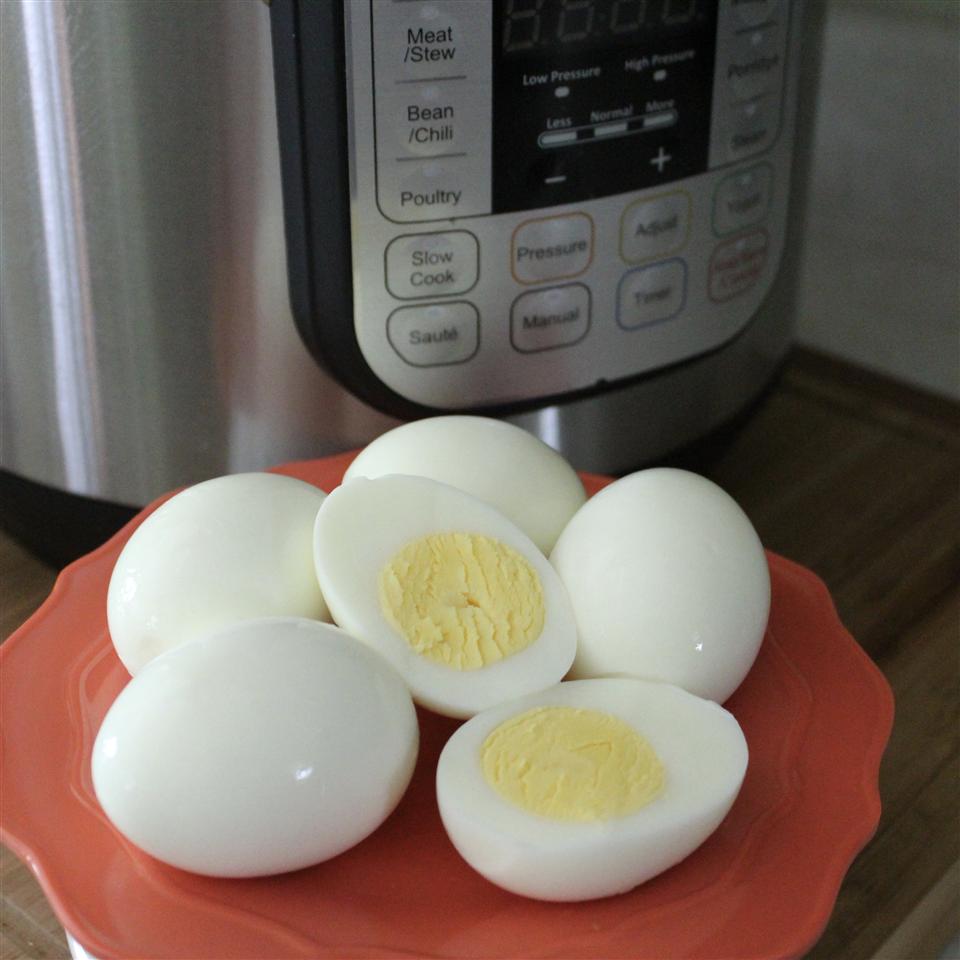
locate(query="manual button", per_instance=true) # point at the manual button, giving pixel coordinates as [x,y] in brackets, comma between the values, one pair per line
[435,335]
[551,248]
[432,264]
[547,319]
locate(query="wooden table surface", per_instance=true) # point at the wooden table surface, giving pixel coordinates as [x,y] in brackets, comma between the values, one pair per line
[856,478]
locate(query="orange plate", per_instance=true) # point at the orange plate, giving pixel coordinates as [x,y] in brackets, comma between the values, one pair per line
[815,710]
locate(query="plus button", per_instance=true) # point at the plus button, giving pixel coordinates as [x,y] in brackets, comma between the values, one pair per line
[661,159]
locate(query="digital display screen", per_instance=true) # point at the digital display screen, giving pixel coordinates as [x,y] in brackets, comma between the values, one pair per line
[547,25]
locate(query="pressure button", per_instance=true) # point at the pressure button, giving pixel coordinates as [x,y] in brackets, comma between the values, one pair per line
[432,264]
[552,248]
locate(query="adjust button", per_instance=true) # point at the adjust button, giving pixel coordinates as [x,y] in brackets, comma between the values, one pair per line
[435,335]
[547,319]
[654,227]
[552,248]
[651,294]
[742,199]
[432,264]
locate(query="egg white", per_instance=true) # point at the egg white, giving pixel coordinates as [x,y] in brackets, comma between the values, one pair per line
[269,746]
[704,754]
[668,581]
[364,523]
[228,549]
[497,462]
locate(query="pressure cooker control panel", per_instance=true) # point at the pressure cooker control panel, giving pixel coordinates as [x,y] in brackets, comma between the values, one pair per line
[548,196]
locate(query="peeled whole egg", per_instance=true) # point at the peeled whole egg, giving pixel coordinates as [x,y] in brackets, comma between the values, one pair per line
[668,581]
[589,788]
[269,746]
[497,462]
[452,593]
[229,549]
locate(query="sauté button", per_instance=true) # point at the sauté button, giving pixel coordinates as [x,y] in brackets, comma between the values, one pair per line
[436,334]
[432,264]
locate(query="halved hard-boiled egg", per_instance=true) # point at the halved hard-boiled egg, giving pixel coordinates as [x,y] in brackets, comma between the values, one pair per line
[225,550]
[497,462]
[589,788]
[452,593]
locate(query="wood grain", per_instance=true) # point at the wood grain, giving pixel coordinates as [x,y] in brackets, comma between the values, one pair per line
[857,478]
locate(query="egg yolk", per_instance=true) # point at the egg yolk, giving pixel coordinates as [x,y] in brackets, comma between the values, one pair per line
[462,599]
[571,764]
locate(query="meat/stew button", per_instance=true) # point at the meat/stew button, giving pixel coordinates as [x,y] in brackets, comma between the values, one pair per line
[551,248]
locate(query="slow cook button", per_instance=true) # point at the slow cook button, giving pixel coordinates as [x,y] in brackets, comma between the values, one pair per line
[546,319]
[551,248]
[736,265]
[432,264]
[435,335]
[742,199]
[651,294]
[654,227]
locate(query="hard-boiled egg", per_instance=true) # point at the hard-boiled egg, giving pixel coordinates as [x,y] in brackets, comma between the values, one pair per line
[499,463]
[454,595]
[269,746]
[668,581]
[589,788]
[222,551]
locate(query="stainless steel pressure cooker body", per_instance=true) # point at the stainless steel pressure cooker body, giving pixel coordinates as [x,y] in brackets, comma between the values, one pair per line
[235,234]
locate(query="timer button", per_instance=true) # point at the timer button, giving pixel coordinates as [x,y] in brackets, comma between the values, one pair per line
[436,335]
[651,294]
[551,248]
[654,227]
